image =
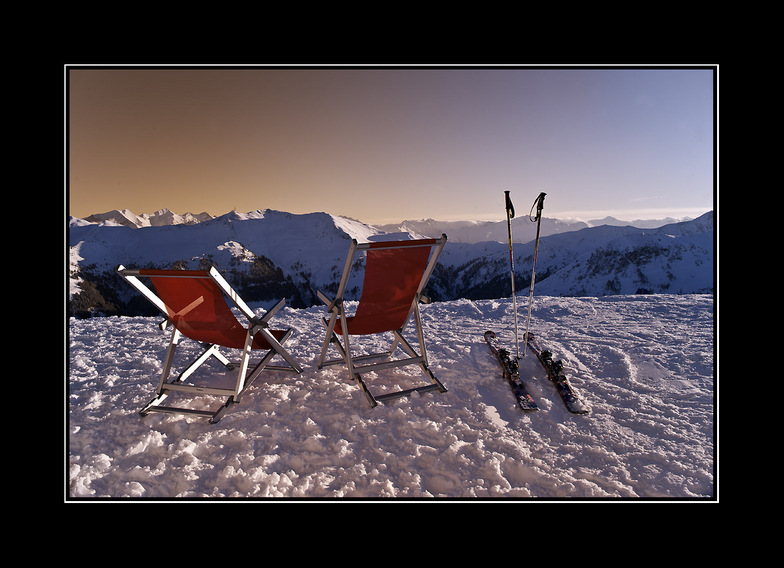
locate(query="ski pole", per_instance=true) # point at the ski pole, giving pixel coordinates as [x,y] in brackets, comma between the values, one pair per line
[509,216]
[539,204]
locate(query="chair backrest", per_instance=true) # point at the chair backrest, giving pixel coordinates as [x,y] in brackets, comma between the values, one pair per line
[395,274]
[196,306]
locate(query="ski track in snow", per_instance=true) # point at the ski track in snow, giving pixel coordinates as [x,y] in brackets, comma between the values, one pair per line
[643,364]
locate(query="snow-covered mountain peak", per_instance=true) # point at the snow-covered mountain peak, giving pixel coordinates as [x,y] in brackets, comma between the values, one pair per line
[355,229]
[162,217]
[165,217]
[238,216]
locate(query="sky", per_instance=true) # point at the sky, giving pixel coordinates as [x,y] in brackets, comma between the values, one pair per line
[388,144]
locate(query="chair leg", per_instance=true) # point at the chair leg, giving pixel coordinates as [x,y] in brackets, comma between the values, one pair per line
[243,370]
[328,338]
[355,371]
[243,381]
[424,365]
[370,398]
[277,347]
[155,402]
[163,394]
[167,362]
[346,346]
[246,379]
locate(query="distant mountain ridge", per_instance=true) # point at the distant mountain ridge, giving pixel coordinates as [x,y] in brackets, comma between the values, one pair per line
[159,218]
[458,231]
[269,254]
[594,261]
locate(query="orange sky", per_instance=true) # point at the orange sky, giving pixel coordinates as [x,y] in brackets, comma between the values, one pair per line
[383,145]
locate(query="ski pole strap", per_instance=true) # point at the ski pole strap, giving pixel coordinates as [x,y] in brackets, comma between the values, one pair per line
[509,207]
[538,203]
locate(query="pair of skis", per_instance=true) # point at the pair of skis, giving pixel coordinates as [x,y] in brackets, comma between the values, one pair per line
[511,373]
[554,370]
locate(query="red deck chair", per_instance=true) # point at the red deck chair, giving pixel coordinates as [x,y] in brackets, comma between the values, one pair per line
[195,303]
[396,272]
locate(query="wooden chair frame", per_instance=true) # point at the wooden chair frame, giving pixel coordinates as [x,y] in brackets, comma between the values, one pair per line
[337,313]
[245,377]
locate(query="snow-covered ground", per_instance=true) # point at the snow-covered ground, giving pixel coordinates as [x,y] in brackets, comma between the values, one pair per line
[644,365]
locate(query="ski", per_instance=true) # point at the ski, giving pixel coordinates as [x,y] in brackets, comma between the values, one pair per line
[556,374]
[524,400]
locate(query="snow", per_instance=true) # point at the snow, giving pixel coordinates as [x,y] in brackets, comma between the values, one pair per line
[643,364]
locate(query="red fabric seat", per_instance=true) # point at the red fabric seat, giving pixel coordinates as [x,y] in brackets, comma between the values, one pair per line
[196,307]
[392,278]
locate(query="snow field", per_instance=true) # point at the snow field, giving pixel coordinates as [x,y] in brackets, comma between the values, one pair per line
[643,364]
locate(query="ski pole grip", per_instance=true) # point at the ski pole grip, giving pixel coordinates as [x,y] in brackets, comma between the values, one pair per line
[509,207]
[539,203]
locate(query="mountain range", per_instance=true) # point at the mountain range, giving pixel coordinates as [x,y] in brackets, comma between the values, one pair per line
[159,218]
[267,254]
[458,231]
[523,230]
